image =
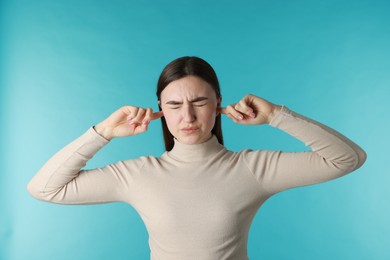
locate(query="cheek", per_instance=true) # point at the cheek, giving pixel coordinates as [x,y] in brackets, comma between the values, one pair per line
[211,112]
[208,116]
[170,117]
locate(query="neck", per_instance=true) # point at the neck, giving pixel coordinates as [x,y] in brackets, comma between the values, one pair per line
[195,152]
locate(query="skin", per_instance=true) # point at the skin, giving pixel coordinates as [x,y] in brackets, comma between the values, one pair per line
[189,106]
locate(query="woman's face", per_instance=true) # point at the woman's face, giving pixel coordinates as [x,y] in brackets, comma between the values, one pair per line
[190,106]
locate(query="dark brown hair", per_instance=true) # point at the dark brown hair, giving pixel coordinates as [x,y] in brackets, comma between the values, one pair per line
[180,68]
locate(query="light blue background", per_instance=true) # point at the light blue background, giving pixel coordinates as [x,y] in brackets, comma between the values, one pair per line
[66,65]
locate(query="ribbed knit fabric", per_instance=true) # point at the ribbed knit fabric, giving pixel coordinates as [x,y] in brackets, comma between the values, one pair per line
[198,201]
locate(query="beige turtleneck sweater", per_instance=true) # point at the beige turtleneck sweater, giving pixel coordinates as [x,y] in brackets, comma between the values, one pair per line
[198,201]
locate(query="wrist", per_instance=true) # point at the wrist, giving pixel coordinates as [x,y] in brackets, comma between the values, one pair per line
[103,131]
[276,109]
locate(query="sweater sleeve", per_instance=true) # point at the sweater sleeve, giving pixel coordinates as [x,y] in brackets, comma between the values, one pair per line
[332,155]
[62,180]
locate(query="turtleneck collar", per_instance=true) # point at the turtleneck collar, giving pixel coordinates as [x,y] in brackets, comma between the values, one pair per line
[195,152]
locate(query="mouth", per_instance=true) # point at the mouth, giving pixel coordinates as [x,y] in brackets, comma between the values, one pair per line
[189,130]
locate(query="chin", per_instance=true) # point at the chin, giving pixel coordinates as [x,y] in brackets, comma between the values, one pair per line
[192,139]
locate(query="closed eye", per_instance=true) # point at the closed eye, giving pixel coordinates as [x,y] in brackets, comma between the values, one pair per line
[198,105]
[196,102]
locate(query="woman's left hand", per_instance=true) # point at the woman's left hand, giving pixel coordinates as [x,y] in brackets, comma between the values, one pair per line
[251,110]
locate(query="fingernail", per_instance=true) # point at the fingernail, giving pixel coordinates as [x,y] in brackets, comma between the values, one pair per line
[240,117]
[252,115]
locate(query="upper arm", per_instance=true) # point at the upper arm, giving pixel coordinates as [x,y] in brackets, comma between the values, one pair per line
[277,171]
[106,184]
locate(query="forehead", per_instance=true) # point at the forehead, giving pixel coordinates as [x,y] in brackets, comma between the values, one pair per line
[187,87]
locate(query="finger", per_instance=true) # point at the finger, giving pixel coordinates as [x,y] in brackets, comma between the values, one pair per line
[236,114]
[232,117]
[140,128]
[147,117]
[157,115]
[245,108]
[222,110]
[139,116]
[131,112]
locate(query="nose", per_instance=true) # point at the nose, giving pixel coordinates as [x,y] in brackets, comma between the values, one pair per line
[189,114]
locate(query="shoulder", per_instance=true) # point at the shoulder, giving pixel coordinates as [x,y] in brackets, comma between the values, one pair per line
[141,161]
[257,156]
[231,155]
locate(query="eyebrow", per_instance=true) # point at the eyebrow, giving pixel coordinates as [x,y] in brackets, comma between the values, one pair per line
[173,102]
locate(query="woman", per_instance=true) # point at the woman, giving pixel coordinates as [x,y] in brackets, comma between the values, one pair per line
[198,199]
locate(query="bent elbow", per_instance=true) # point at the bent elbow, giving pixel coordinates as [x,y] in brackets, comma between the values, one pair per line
[33,189]
[352,161]
[361,158]
[37,191]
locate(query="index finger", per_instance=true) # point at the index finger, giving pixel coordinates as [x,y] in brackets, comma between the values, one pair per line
[222,110]
[157,115]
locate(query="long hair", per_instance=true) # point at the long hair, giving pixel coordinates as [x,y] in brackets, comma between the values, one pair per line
[180,68]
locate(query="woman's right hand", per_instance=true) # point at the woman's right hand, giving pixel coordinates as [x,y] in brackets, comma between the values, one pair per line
[127,121]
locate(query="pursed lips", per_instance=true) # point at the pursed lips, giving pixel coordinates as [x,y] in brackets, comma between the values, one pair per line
[190,129]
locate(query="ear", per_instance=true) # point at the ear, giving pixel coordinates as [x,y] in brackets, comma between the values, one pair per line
[219,102]
[159,104]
